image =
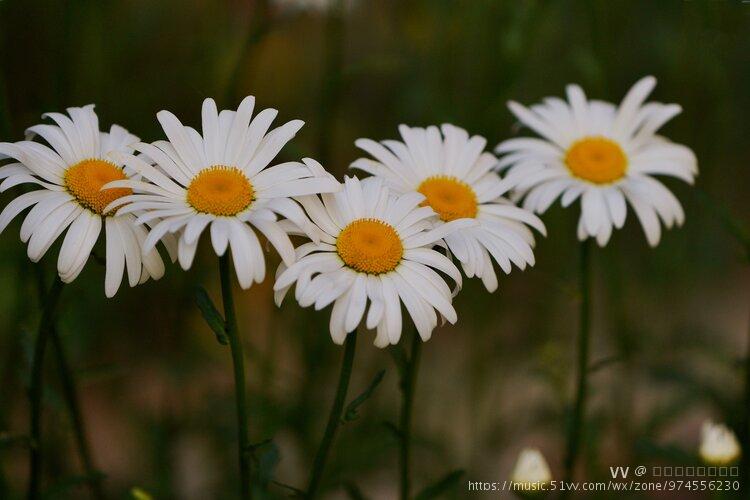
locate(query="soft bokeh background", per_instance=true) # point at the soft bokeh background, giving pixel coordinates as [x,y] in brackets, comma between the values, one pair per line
[670,327]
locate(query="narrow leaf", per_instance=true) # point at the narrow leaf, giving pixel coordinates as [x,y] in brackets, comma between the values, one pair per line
[213,317]
[350,413]
[447,482]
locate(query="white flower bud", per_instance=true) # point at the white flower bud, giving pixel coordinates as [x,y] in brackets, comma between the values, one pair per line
[531,472]
[719,445]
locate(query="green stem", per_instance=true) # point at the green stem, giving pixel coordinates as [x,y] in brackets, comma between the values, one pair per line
[70,393]
[408,385]
[334,418]
[46,327]
[238,362]
[574,431]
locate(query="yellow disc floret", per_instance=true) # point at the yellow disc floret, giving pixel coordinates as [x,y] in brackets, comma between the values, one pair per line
[370,246]
[596,159]
[220,190]
[85,179]
[451,198]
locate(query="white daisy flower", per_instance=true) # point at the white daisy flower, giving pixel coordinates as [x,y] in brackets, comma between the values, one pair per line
[375,247]
[456,177]
[604,154]
[220,181]
[72,172]
[719,445]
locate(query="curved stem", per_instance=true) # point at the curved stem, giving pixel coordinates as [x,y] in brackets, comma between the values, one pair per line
[334,418]
[46,327]
[238,362]
[408,384]
[574,431]
[72,401]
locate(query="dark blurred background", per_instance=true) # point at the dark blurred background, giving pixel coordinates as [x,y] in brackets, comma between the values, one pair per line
[670,325]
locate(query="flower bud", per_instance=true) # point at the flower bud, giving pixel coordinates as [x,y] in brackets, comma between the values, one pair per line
[719,445]
[531,475]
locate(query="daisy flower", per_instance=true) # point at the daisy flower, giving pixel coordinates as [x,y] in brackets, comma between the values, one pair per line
[220,181]
[71,169]
[605,155]
[374,247]
[455,176]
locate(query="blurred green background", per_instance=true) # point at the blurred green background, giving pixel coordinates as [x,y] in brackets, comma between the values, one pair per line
[670,324]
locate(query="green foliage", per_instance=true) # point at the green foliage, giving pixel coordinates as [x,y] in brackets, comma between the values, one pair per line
[211,314]
[350,412]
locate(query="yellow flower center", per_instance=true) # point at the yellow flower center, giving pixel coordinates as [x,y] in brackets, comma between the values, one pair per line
[596,159]
[85,179]
[220,190]
[451,198]
[370,246]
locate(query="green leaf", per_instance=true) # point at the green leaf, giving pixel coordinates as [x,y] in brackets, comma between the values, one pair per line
[213,317]
[444,484]
[350,413]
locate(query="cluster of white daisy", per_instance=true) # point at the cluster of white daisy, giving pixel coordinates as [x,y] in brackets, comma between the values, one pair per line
[374,244]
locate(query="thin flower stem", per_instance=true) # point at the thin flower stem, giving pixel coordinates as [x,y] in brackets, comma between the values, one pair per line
[334,418]
[574,431]
[238,362]
[72,401]
[46,328]
[408,385]
[70,393]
